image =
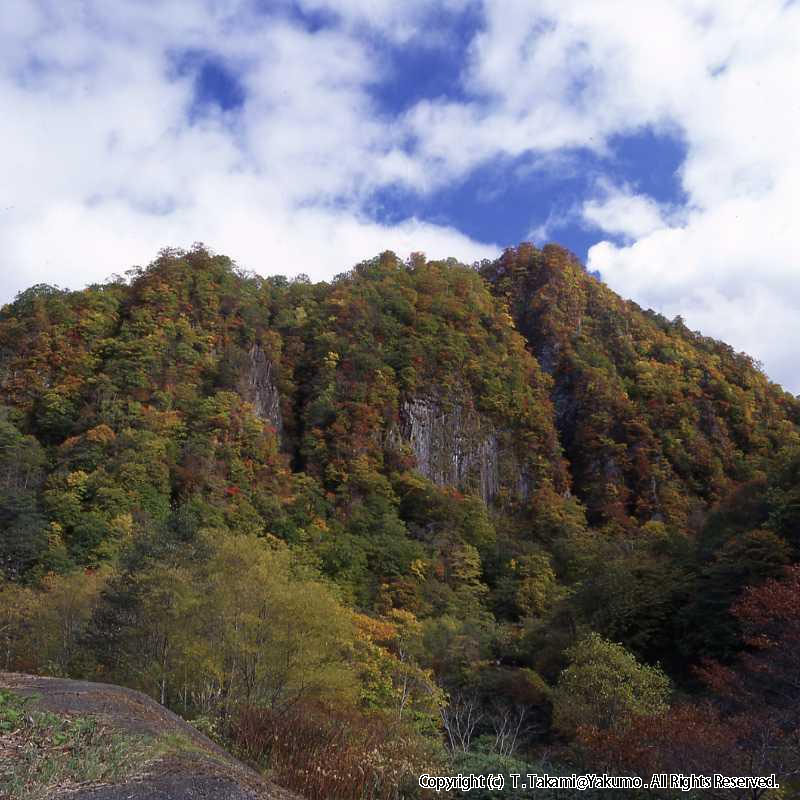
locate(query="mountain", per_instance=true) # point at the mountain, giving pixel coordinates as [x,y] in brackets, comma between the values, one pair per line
[657,422]
[470,467]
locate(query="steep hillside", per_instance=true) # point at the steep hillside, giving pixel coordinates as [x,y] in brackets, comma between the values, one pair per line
[657,422]
[377,500]
[389,368]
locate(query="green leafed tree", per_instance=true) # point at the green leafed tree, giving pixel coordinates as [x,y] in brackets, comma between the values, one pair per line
[604,685]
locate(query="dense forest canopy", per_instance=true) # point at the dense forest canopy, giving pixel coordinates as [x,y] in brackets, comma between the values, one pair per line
[419,494]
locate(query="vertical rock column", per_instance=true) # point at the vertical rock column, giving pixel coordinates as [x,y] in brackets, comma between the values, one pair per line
[262,389]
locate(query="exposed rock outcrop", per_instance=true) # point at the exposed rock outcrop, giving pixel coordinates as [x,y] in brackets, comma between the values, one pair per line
[452,445]
[263,390]
[187,764]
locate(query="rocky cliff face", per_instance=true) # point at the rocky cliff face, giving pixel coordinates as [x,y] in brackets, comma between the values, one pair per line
[452,445]
[262,390]
[455,445]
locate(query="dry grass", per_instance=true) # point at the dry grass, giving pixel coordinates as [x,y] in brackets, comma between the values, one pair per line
[42,754]
[325,753]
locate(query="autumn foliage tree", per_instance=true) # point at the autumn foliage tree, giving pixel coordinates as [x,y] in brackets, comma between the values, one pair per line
[752,727]
[767,671]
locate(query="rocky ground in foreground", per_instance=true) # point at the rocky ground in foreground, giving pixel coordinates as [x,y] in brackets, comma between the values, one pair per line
[95,741]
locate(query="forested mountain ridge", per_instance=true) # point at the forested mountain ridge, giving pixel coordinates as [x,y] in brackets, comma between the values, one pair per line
[464,471]
[657,421]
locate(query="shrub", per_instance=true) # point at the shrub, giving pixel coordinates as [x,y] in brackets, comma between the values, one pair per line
[323,752]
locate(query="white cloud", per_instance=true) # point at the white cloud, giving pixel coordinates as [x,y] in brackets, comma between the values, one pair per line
[619,210]
[561,74]
[100,166]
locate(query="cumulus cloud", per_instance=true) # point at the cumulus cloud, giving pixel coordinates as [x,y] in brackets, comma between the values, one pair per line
[720,74]
[106,158]
[619,210]
[108,152]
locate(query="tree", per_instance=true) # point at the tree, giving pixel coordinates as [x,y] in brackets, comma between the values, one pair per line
[24,541]
[387,657]
[744,560]
[755,719]
[461,716]
[266,635]
[231,618]
[17,604]
[604,685]
[143,630]
[59,621]
[766,674]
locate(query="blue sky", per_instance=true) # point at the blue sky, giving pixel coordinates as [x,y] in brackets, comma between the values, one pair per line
[657,141]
